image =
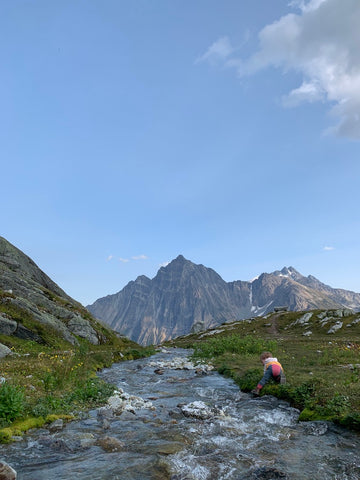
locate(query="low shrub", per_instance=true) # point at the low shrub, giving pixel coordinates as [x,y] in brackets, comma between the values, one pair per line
[351,420]
[246,346]
[249,379]
[225,370]
[93,390]
[302,396]
[12,400]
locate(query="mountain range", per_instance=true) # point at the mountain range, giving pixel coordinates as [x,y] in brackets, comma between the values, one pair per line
[185,297]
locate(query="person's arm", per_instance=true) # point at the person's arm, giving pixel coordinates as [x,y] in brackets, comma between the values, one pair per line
[266,377]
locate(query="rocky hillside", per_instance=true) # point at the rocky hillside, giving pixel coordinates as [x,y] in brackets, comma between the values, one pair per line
[33,307]
[185,297]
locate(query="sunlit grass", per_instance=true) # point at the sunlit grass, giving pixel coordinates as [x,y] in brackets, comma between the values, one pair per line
[322,370]
[41,381]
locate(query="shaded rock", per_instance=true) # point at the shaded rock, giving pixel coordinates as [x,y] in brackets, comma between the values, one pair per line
[266,473]
[87,440]
[26,334]
[7,472]
[57,444]
[354,322]
[57,425]
[315,428]
[7,326]
[335,327]
[81,327]
[110,444]
[4,351]
[44,318]
[161,447]
[105,424]
[201,371]
[342,312]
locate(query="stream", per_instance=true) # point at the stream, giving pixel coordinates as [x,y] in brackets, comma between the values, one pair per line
[185,423]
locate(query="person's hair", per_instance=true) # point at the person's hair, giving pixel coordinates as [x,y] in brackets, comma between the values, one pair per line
[265,355]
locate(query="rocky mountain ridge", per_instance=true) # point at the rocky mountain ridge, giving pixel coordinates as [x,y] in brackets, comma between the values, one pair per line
[185,297]
[33,307]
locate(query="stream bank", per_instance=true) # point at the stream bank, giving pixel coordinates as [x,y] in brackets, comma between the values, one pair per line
[172,420]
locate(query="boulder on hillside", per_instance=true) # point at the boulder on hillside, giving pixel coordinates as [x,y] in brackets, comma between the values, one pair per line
[4,351]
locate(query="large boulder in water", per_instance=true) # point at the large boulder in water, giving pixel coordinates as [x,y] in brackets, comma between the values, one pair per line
[7,472]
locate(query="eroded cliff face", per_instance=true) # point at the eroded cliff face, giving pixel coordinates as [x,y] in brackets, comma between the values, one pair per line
[184,296]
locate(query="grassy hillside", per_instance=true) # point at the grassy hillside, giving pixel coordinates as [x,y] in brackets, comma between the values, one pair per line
[53,378]
[322,369]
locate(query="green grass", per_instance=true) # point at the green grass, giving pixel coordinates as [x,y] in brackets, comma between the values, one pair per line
[42,380]
[323,380]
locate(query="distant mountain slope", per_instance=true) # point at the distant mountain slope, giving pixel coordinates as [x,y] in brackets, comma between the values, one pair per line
[33,307]
[184,296]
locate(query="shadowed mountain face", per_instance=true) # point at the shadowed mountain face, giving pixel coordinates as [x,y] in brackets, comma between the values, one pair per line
[185,297]
[33,307]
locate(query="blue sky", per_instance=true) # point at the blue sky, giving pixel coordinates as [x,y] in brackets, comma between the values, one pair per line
[225,131]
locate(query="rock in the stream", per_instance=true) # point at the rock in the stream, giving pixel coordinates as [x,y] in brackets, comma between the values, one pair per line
[315,428]
[57,425]
[200,410]
[266,473]
[180,363]
[122,402]
[7,472]
[60,444]
[159,371]
[110,444]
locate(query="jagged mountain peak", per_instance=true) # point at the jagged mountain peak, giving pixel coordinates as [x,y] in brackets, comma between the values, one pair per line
[288,272]
[142,278]
[180,258]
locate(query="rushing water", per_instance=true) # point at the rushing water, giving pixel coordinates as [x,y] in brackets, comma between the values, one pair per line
[240,438]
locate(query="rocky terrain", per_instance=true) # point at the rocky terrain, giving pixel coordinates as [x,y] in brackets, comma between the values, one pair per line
[185,297]
[33,307]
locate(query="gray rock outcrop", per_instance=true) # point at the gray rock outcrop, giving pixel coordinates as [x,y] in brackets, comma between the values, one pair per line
[4,351]
[32,306]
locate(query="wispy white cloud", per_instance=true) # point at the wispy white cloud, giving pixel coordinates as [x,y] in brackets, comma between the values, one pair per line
[217,52]
[321,41]
[127,260]
[140,257]
[164,264]
[328,249]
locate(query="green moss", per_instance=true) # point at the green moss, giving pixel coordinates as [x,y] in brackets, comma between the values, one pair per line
[307,415]
[5,435]
[20,427]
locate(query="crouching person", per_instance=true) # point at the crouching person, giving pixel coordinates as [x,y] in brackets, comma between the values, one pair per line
[272,371]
